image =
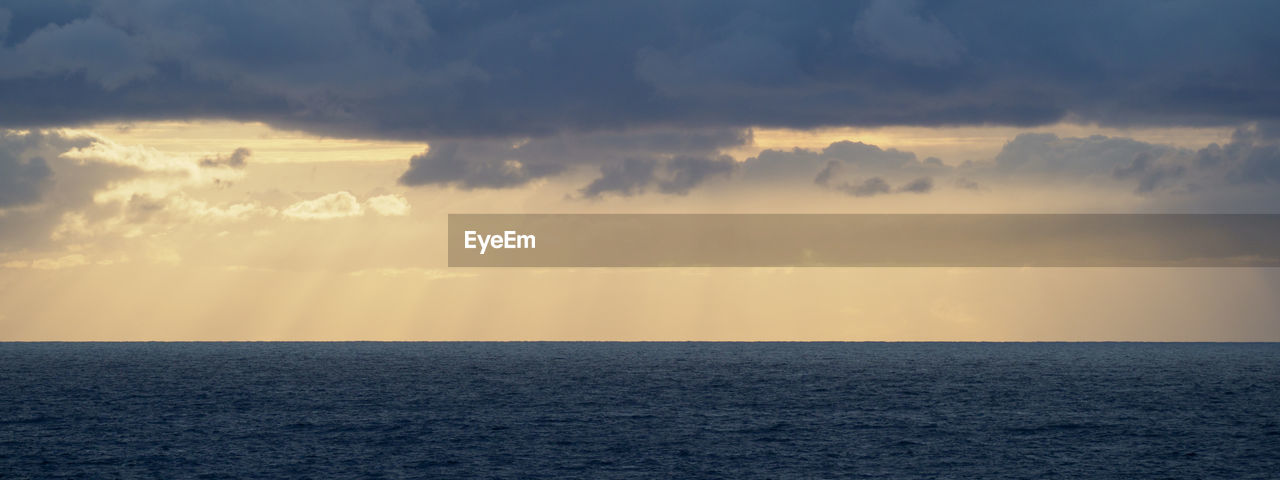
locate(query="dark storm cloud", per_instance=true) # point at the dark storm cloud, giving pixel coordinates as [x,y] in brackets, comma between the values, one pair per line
[5,16]
[896,30]
[510,92]
[431,70]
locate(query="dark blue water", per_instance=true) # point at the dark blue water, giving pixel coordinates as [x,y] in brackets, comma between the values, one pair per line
[648,410]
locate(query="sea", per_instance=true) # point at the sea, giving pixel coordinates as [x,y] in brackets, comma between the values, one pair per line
[601,410]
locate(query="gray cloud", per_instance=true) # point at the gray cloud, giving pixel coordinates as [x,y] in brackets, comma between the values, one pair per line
[436,70]
[1149,176]
[238,159]
[894,29]
[824,177]
[870,187]
[919,185]
[674,162]
[142,208]
[1048,156]
[23,178]
[501,163]
[1251,159]
[1047,159]
[968,184]
[103,53]
[688,172]
[469,166]
[854,168]
[513,92]
[549,74]
[676,176]
[628,177]
[862,158]
[5,16]
[1252,156]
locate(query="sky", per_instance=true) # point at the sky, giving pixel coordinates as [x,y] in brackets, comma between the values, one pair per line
[283,170]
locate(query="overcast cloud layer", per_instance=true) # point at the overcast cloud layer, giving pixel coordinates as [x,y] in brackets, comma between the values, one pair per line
[652,93]
[428,70]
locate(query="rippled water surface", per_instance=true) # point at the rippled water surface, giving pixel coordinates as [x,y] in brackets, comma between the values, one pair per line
[639,410]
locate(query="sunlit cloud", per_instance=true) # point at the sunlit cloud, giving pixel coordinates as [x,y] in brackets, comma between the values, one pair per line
[388,205]
[344,204]
[333,205]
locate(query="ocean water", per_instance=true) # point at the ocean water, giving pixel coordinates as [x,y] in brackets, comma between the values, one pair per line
[639,410]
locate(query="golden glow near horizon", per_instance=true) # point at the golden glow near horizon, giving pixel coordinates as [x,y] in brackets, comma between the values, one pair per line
[314,240]
[268,144]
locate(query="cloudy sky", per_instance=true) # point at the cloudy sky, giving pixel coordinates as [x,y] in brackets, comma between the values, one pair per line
[262,170]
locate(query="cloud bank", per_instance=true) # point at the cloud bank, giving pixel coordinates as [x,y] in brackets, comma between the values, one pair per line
[1247,166]
[437,70]
[650,93]
[343,204]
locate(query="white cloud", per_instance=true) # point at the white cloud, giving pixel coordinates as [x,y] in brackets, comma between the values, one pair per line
[165,172]
[182,208]
[334,205]
[68,261]
[388,205]
[343,204]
